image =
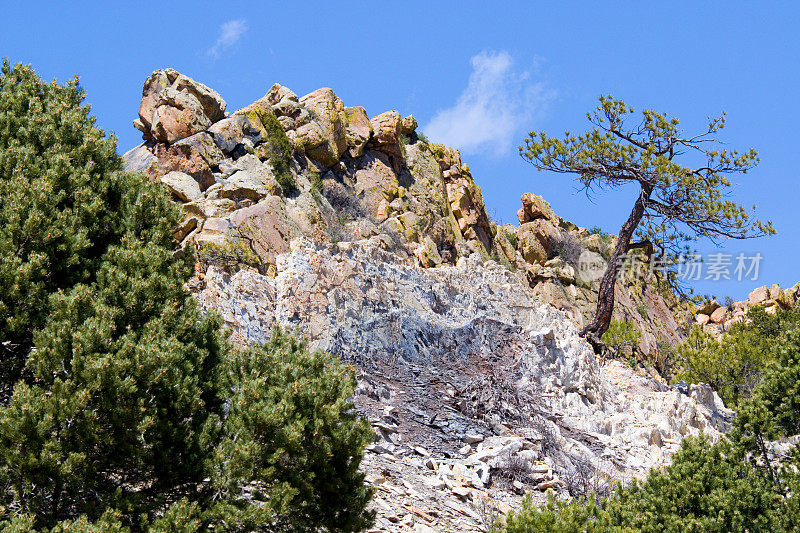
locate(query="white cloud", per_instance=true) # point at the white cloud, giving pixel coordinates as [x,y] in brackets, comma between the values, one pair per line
[229,33]
[497,104]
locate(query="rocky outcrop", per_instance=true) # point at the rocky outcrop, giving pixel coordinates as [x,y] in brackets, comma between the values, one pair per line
[330,173]
[326,171]
[376,243]
[718,319]
[175,106]
[477,392]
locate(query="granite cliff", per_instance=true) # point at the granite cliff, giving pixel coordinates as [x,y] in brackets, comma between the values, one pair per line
[376,244]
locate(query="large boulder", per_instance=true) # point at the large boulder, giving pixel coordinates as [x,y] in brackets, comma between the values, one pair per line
[253,180]
[324,138]
[268,226]
[212,103]
[536,240]
[140,159]
[758,296]
[386,129]
[214,231]
[229,132]
[535,207]
[256,113]
[408,125]
[203,145]
[708,307]
[286,106]
[359,129]
[184,159]
[182,185]
[718,316]
[530,246]
[153,86]
[175,106]
[278,93]
[179,116]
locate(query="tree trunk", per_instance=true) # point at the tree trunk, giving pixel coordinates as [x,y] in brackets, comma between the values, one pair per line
[605,297]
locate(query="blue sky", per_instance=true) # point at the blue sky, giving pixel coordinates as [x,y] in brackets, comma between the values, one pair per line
[473,75]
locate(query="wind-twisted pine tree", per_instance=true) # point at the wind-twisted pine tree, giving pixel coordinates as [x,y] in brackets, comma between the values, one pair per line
[124,407]
[681,184]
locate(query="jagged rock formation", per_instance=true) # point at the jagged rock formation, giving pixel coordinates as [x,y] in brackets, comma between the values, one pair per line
[717,319]
[286,167]
[477,392]
[376,243]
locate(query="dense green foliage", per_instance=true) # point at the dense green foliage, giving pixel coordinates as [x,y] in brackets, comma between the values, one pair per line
[734,364]
[621,335]
[742,483]
[291,422]
[59,212]
[124,407]
[279,151]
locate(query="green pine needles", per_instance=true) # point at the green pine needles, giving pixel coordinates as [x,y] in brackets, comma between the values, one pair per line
[122,407]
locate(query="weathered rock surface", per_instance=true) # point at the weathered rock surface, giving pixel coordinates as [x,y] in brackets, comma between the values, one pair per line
[324,137]
[717,320]
[182,185]
[175,106]
[477,392]
[378,245]
[535,207]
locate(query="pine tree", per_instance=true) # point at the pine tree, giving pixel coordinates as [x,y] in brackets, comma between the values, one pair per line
[675,203]
[59,205]
[120,395]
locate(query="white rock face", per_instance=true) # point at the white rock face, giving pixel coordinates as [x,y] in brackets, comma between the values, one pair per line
[450,355]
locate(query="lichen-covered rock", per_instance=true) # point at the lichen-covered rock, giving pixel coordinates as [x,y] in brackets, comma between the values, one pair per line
[535,207]
[718,316]
[175,106]
[427,254]
[252,180]
[278,93]
[184,159]
[348,177]
[202,144]
[182,185]
[536,240]
[386,136]
[359,129]
[708,307]
[228,133]
[214,231]
[530,246]
[178,116]
[759,295]
[408,125]
[323,139]
[140,159]
[256,113]
[268,227]
[151,90]
[466,205]
[212,103]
